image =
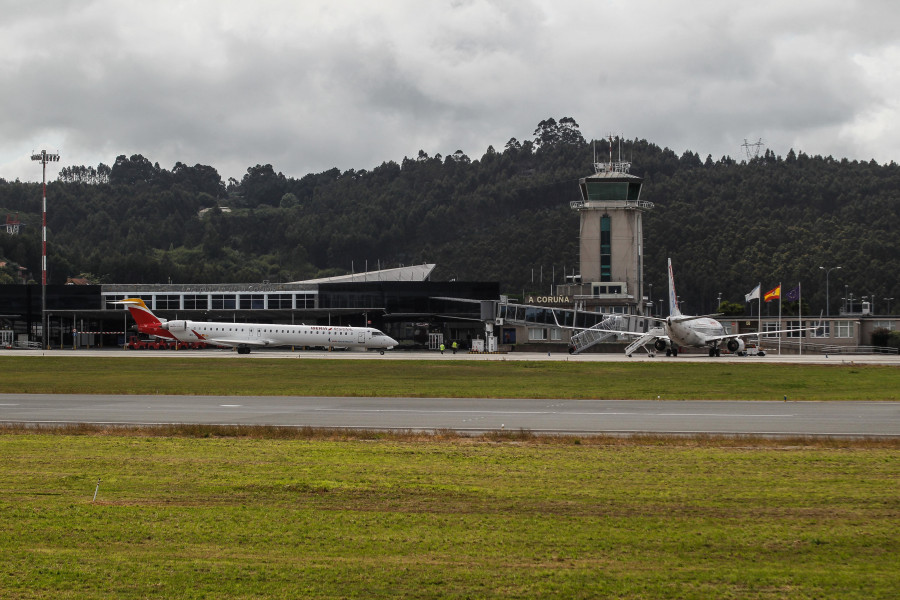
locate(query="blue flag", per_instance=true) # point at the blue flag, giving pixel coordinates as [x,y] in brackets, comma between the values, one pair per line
[793,295]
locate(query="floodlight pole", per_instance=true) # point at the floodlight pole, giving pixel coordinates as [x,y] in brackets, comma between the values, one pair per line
[44,157]
[827,271]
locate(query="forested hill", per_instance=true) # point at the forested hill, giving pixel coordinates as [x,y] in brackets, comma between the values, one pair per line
[504,216]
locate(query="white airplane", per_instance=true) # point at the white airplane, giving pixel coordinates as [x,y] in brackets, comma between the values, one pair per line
[244,336]
[685,331]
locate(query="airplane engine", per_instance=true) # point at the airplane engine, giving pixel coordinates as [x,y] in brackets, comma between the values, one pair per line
[660,345]
[174,325]
[735,345]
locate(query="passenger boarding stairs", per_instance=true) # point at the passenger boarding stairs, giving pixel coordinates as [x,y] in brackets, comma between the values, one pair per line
[608,328]
[645,339]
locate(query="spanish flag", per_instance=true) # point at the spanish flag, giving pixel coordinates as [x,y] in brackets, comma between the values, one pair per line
[773,294]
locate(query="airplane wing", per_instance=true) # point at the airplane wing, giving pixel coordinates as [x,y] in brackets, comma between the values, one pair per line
[227,342]
[731,336]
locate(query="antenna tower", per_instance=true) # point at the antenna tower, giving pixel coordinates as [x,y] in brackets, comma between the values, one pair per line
[619,166]
[752,150]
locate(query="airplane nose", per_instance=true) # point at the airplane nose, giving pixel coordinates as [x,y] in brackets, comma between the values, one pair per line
[391,342]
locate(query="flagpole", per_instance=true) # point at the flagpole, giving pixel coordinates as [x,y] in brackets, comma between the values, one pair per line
[800,312]
[759,320]
[779,318]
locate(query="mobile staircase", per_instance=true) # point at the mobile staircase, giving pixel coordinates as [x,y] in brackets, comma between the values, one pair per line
[645,339]
[601,332]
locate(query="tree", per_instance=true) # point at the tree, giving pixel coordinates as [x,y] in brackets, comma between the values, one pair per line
[729,308]
[129,171]
[549,132]
[262,185]
[289,200]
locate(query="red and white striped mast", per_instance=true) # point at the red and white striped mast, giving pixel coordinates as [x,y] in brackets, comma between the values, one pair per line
[44,157]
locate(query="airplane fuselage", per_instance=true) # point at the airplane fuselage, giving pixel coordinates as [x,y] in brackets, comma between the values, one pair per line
[694,333]
[253,334]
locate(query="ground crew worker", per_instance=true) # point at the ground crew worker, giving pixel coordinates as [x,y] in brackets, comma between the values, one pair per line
[454,346]
[442,348]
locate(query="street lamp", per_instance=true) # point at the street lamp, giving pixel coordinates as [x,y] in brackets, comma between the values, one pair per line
[888,300]
[827,271]
[44,157]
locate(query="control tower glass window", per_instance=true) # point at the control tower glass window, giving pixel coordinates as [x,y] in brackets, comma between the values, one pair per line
[605,249]
[612,190]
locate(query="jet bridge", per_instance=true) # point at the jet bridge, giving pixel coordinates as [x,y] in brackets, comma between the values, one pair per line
[592,327]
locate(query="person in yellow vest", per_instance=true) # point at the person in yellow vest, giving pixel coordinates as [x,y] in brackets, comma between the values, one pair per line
[442,348]
[454,345]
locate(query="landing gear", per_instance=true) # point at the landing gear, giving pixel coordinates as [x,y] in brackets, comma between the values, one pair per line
[715,352]
[243,350]
[382,352]
[671,352]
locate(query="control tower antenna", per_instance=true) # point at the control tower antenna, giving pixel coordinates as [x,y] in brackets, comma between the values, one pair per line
[618,166]
[754,153]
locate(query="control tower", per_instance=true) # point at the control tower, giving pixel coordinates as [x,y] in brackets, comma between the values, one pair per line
[611,238]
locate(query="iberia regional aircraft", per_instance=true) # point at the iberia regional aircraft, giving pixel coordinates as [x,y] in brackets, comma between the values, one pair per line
[244,336]
[686,331]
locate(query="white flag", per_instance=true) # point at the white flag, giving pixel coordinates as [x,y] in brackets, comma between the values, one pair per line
[754,295]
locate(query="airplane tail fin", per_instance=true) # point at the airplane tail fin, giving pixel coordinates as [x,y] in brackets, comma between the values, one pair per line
[673,298]
[146,321]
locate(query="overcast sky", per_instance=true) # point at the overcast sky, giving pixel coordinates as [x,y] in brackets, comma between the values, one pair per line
[309,85]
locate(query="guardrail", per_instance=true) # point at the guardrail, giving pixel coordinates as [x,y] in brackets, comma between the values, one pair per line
[23,345]
[834,349]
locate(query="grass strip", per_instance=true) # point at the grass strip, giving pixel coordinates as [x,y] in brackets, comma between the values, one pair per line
[464,378]
[194,516]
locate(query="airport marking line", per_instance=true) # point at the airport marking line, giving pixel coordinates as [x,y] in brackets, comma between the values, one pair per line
[540,412]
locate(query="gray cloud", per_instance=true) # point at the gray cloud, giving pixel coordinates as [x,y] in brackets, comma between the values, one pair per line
[314,85]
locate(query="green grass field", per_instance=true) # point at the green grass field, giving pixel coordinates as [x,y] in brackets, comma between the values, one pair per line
[389,517]
[464,378]
[243,512]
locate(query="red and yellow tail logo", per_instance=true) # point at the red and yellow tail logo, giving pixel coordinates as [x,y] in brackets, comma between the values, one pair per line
[146,321]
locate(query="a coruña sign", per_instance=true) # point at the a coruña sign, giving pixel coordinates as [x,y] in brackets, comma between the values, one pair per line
[543,300]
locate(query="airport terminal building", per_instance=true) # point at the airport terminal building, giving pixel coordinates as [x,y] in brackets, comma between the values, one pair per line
[402,302]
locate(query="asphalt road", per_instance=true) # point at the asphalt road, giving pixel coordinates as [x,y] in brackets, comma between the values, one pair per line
[465,414]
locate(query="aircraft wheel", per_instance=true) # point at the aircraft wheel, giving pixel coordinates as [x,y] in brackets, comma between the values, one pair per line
[718,352]
[712,352]
[668,353]
[674,352]
[382,352]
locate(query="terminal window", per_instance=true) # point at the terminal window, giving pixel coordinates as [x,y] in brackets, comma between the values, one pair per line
[253,301]
[168,302]
[306,301]
[282,301]
[795,325]
[537,334]
[843,329]
[196,302]
[224,301]
[822,330]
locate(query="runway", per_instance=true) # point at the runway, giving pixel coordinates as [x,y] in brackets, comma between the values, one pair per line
[475,415]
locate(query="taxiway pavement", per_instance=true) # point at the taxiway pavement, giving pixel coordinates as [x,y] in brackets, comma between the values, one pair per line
[563,416]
